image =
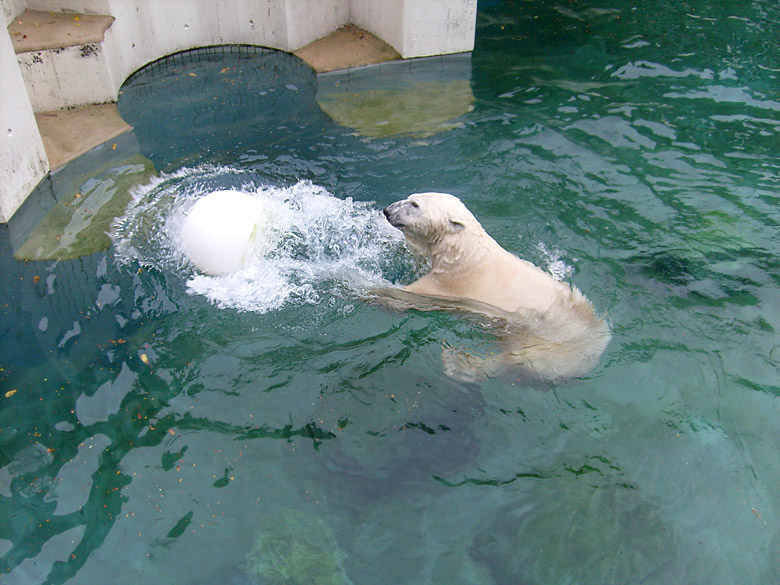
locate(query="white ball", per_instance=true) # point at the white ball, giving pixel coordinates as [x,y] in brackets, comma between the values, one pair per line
[219,230]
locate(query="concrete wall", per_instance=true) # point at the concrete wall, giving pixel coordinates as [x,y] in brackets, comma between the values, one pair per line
[84,6]
[324,16]
[63,78]
[383,18]
[11,9]
[23,161]
[145,30]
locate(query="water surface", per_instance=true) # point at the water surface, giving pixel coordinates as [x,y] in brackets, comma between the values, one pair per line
[159,427]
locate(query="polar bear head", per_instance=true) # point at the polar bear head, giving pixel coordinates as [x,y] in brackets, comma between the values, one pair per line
[434,222]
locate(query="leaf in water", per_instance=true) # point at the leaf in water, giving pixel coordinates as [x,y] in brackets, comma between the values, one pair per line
[181,526]
[224,480]
[168,458]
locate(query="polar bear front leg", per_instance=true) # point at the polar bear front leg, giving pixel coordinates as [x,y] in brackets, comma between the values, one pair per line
[466,367]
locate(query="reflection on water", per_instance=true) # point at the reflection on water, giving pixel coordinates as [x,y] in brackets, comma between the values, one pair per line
[417,98]
[72,210]
[149,433]
[78,226]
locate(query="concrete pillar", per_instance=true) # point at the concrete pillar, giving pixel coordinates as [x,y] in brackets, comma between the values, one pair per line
[419,28]
[23,161]
[438,28]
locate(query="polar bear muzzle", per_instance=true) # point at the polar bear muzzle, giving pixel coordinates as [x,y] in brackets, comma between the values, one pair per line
[410,212]
[398,213]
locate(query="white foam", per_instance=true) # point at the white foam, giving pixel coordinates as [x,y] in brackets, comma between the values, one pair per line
[556,266]
[317,245]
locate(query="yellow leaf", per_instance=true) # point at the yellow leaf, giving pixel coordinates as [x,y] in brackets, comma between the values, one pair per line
[113,147]
[144,358]
[10,393]
[193,75]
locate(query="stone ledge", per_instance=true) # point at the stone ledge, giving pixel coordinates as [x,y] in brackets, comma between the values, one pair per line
[67,134]
[36,30]
[348,47]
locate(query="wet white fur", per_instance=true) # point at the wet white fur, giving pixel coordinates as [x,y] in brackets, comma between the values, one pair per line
[549,329]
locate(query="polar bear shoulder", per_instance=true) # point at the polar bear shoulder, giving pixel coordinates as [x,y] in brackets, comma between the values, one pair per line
[465,261]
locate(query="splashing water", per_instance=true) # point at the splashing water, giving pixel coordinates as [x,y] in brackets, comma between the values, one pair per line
[554,262]
[313,244]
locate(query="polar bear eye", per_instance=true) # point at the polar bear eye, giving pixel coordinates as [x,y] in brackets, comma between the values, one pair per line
[415,204]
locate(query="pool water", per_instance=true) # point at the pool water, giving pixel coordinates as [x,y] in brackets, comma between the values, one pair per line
[276,426]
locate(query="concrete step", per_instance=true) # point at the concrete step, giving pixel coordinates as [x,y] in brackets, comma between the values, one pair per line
[348,47]
[36,30]
[69,133]
[62,58]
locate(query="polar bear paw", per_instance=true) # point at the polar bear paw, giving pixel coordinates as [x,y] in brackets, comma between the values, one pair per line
[461,365]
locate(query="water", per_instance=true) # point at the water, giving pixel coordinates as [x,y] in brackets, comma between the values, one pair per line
[156,427]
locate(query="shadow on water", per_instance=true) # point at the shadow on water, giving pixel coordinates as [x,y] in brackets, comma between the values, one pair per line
[150,433]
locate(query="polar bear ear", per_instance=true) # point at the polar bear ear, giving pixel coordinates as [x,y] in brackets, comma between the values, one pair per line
[456,226]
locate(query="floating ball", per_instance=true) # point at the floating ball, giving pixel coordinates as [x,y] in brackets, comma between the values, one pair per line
[219,231]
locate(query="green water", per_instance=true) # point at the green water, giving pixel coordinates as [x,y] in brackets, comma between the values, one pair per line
[152,433]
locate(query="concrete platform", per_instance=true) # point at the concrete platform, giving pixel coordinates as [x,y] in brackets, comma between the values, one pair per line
[36,30]
[67,134]
[348,47]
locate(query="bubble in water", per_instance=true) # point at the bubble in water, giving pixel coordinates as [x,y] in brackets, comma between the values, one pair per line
[314,245]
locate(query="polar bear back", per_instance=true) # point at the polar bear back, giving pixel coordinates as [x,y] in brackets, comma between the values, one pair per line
[500,279]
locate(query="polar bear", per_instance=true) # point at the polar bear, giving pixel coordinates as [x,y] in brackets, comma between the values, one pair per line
[545,328]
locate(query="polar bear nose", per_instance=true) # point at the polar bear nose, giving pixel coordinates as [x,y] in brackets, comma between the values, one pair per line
[389,214]
[392,214]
